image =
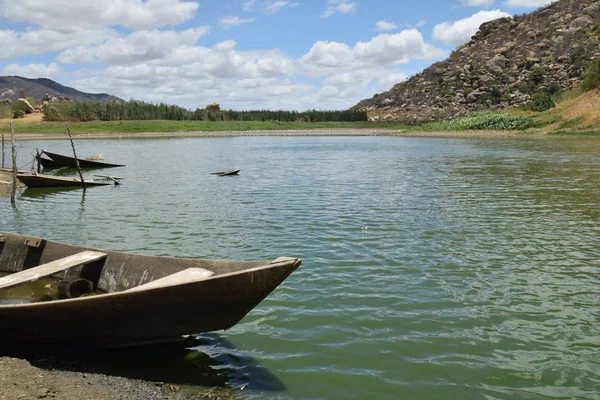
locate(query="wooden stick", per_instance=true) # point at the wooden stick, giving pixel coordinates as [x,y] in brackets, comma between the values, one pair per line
[13,190]
[38,155]
[3,150]
[75,155]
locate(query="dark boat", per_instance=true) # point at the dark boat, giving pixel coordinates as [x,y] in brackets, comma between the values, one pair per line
[224,173]
[136,299]
[40,180]
[58,161]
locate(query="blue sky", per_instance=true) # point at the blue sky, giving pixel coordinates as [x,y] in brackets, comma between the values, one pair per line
[243,54]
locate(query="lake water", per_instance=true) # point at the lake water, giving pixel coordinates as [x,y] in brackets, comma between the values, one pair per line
[433,268]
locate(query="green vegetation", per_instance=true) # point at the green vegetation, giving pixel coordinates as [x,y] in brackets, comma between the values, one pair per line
[573,123]
[19,106]
[488,120]
[591,78]
[19,114]
[542,101]
[168,127]
[6,111]
[141,111]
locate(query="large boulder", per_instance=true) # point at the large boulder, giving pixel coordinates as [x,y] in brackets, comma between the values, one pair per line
[28,107]
[497,64]
[583,22]
[48,98]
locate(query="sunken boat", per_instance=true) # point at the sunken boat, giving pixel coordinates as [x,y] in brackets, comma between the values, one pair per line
[55,160]
[34,180]
[226,173]
[108,298]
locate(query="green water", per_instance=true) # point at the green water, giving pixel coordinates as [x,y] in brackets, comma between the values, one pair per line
[433,268]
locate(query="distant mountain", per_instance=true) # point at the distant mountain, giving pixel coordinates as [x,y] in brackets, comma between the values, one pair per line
[504,65]
[11,87]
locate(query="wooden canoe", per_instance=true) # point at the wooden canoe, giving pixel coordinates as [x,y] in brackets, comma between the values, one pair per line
[59,160]
[41,180]
[224,173]
[138,299]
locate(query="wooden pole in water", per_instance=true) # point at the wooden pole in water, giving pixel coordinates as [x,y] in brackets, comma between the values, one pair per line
[75,155]
[13,190]
[38,155]
[3,150]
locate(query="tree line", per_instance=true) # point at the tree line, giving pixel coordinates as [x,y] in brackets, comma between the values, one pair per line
[140,110]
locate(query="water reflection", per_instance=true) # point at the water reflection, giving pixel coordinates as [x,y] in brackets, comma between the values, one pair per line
[207,360]
[42,193]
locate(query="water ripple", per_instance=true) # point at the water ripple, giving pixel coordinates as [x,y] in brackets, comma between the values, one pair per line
[433,268]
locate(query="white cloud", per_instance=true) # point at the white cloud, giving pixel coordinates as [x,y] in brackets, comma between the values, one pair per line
[385,26]
[77,55]
[276,6]
[232,20]
[140,46]
[338,7]
[170,86]
[248,5]
[460,32]
[398,48]
[31,70]
[68,15]
[382,77]
[327,57]
[32,42]
[528,3]
[479,3]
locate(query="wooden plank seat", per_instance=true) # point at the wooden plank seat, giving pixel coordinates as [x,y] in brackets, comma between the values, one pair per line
[185,276]
[63,264]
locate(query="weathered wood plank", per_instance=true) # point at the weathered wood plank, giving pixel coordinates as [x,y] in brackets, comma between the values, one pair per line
[50,268]
[185,276]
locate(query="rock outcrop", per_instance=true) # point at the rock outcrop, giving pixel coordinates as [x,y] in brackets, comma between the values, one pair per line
[506,62]
[28,108]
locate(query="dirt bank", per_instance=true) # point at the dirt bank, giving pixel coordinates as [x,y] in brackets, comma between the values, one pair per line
[6,182]
[19,380]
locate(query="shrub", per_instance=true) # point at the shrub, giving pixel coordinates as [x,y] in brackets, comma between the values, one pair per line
[51,114]
[538,75]
[542,101]
[19,114]
[5,111]
[591,78]
[19,106]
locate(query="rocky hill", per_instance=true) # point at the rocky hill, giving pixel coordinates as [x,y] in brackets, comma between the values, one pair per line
[11,87]
[504,65]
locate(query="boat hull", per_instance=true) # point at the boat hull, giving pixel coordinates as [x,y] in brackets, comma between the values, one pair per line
[40,180]
[121,317]
[225,173]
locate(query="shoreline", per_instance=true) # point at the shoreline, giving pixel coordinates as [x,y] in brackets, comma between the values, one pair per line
[20,379]
[291,132]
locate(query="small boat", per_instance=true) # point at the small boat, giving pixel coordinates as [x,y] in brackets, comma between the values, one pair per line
[58,161]
[108,298]
[224,173]
[34,180]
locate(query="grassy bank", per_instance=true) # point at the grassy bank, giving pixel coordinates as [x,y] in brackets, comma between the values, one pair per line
[25,126]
